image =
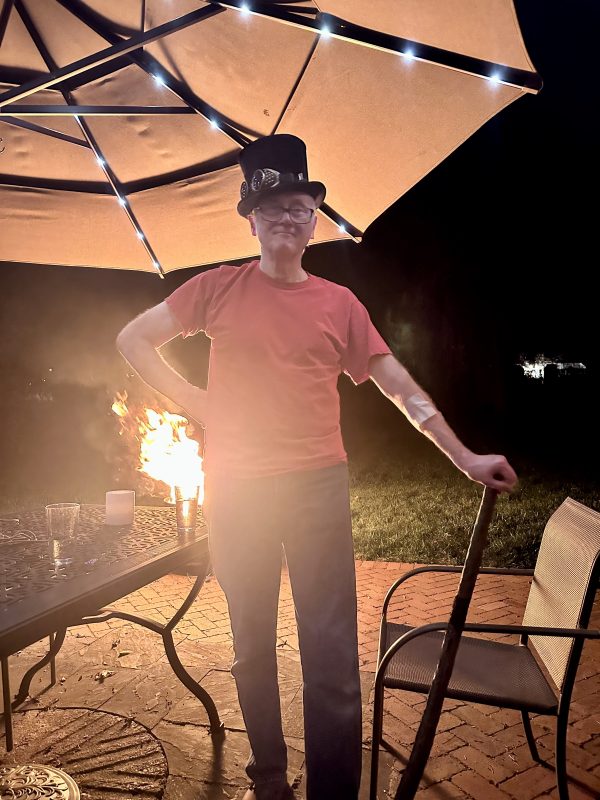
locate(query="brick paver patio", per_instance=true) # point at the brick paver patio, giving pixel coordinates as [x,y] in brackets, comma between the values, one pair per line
[480,752]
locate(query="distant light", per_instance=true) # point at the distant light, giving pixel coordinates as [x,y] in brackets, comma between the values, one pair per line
[245,9]
[409,55]
[342,229]
[49,369]
[100,161]
[495,78]
[325,32]
[214,124]
[159,80]
[122,201]
[139,234]
[536,368]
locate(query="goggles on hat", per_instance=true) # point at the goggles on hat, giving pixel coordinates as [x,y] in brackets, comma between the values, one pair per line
[269,179]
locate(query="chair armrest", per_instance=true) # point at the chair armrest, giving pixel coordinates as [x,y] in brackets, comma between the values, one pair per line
[404,639]
[445,568]
[531,630]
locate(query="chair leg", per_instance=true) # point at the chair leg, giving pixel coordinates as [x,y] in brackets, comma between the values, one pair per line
[377,734]
[8,726]
[52,662]
[561,756]
[530,738]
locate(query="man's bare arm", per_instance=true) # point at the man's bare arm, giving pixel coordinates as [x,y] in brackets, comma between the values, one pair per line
[139,342]
[399,386]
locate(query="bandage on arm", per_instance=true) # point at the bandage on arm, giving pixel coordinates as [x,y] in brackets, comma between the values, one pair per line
[419,409]
[396,383]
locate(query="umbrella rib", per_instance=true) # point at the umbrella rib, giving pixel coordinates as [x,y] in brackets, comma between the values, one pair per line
[123,47]
[324,209]
[378,40]
[511,76]
[225,161]
[17,75]
[4,15]
[26,110]
[307,61]
[32,126]
[111,177]
[342,223]
[57,184]
[309,11]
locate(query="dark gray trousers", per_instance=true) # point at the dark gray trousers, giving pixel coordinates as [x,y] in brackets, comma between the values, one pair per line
[309,513]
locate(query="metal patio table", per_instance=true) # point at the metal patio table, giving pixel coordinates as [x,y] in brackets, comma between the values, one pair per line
[40,598]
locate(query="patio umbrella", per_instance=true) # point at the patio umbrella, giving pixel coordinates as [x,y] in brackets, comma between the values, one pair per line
[121,122]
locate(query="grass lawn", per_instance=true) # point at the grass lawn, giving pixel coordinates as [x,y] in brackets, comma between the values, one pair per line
[420,508]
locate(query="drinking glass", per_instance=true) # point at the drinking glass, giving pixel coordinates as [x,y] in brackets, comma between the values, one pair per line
[186,508]
[61,521]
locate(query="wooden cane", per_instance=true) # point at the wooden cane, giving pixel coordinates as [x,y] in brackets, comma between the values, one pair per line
[431,716]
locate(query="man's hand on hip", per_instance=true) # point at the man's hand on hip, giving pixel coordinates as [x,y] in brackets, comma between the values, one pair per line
[193,402]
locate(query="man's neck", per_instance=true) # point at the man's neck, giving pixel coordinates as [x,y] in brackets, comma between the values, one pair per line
[290,270]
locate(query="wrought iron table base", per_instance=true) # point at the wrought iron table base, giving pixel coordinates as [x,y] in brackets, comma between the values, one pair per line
[217,728]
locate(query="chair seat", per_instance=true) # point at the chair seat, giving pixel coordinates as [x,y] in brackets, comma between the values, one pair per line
[486,672]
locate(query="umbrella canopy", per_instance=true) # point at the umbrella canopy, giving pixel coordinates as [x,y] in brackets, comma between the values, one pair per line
[120,123]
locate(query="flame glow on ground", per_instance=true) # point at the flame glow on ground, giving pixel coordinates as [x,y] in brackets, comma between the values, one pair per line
[166,453]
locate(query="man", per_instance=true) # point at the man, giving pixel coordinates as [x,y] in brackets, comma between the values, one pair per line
[275,463]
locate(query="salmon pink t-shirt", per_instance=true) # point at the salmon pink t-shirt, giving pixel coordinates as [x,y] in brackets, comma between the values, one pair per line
[276,353]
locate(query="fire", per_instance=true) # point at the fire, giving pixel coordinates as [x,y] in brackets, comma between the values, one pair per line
[166,454]
[119,406]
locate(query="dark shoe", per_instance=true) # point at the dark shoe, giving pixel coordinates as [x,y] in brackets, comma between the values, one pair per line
[267,792]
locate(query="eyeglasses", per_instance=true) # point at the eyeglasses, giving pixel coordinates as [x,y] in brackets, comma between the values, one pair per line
[298,214]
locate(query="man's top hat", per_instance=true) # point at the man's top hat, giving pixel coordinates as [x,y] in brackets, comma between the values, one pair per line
[275,164]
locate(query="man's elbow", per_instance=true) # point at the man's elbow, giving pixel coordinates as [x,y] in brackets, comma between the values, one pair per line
[126,340]
[149,331]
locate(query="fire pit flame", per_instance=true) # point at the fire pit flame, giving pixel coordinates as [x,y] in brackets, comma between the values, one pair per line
[167,454]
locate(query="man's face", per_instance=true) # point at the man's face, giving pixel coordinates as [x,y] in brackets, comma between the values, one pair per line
[279,233]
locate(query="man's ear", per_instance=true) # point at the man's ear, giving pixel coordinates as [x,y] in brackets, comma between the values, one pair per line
[314,225]
[252,224]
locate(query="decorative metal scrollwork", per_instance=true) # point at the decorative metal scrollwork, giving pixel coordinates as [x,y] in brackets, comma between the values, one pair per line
[33,781]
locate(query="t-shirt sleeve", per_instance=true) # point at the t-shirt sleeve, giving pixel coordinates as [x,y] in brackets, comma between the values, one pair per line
[364,341]
[190,303]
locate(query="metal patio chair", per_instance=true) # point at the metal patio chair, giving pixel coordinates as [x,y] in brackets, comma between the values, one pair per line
[553,630]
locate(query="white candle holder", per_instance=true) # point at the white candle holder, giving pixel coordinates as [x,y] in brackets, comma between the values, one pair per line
[120,507]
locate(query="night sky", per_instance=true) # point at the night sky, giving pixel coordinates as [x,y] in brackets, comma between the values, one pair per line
[490,256]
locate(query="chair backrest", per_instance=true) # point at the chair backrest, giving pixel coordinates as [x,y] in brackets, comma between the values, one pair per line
[564,582]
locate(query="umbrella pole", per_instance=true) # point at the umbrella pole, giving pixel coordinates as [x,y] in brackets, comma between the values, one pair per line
[413,773]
